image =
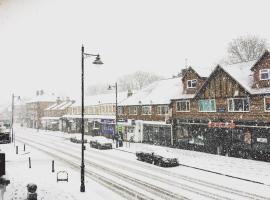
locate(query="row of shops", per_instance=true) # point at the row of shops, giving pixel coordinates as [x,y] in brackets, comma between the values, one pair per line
[235,138]
[130,130]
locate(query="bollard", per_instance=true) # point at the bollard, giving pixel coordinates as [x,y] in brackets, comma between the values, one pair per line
[53,166]
[31,191]
[29,159]
[23,147]
[16,149]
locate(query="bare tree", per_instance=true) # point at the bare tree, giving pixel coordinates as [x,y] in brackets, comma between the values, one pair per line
[137,80]
[245,48]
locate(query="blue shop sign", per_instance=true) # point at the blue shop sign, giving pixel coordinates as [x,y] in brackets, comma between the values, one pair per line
[107,121]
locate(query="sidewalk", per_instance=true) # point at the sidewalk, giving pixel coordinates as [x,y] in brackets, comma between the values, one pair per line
[40,173]
[247,169]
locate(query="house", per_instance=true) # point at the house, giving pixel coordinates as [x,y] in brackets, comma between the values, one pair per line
[35,108]
[99,114]
[53,114]
[231,105]
[145,113]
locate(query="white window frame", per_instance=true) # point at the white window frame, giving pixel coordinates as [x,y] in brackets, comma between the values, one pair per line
[265,104]
[192,81]
[183,101]
[228,102]
[215,110]
[136,110]
[150,110]
[266,71]
[159,109]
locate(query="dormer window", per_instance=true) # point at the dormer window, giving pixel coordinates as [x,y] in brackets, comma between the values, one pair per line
[191,83]
[264,74]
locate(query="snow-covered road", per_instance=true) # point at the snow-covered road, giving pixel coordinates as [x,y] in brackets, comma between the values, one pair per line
[122,173]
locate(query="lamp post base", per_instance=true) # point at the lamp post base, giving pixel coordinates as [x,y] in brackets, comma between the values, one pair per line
[82,188]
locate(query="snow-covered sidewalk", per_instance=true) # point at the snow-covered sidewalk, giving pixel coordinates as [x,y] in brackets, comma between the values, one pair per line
[40,173]
[247,169]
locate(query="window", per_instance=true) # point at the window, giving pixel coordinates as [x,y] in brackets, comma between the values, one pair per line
[191,83]
[120,110]
[208,105]
[267,104]
[238,105]
[162,110]
[183,106]
[264,74]
[133,110]
[146,110]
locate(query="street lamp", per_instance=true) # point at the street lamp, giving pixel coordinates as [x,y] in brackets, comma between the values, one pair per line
[97,61]
[12,117]
[116,113]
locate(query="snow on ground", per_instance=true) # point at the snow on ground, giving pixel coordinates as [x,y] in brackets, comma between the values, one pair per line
[242,168]
[40,173]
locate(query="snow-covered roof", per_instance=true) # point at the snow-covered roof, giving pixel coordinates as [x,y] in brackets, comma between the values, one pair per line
[43,98]
[203,71]
[241,73]
[51,106]
[158,92]
[108,98]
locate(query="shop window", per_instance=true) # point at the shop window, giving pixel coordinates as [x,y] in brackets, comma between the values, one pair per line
[264,74]
[208,105]
[191,83]
[132,110]
[120,110]
[162,110]
[146,110]
[183,106]
[267,104]
[238,105]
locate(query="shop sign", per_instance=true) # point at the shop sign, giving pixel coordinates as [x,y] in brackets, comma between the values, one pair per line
[262,140]
[221,125]
[107,121]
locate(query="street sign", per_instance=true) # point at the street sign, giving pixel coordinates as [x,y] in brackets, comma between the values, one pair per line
[2,164]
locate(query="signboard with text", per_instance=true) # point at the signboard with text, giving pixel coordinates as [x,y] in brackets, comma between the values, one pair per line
[221,125]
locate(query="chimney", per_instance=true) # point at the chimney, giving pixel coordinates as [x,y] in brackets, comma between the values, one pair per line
[129,93]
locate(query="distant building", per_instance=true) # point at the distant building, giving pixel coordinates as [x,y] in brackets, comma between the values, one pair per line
[35,108]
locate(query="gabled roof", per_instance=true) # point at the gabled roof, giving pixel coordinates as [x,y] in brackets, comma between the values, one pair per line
[202,72]
[158,92]
[242,74]
[265,54]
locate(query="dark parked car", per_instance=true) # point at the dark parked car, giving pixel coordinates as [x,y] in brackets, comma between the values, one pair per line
[159,158]
[100,142]
[76,140]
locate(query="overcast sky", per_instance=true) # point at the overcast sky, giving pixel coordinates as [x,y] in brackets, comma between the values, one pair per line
[40,40]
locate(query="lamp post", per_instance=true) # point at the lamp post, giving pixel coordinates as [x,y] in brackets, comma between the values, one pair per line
[98,62]
[12,117]
[116,113]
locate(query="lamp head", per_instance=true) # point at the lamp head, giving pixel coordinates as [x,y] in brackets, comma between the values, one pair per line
[97,61]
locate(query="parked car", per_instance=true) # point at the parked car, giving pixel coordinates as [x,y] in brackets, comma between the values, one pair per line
[100,142]
[4,134]
[159,158]
[77,140]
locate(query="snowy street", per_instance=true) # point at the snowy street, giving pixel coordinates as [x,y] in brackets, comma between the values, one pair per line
[118,172]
